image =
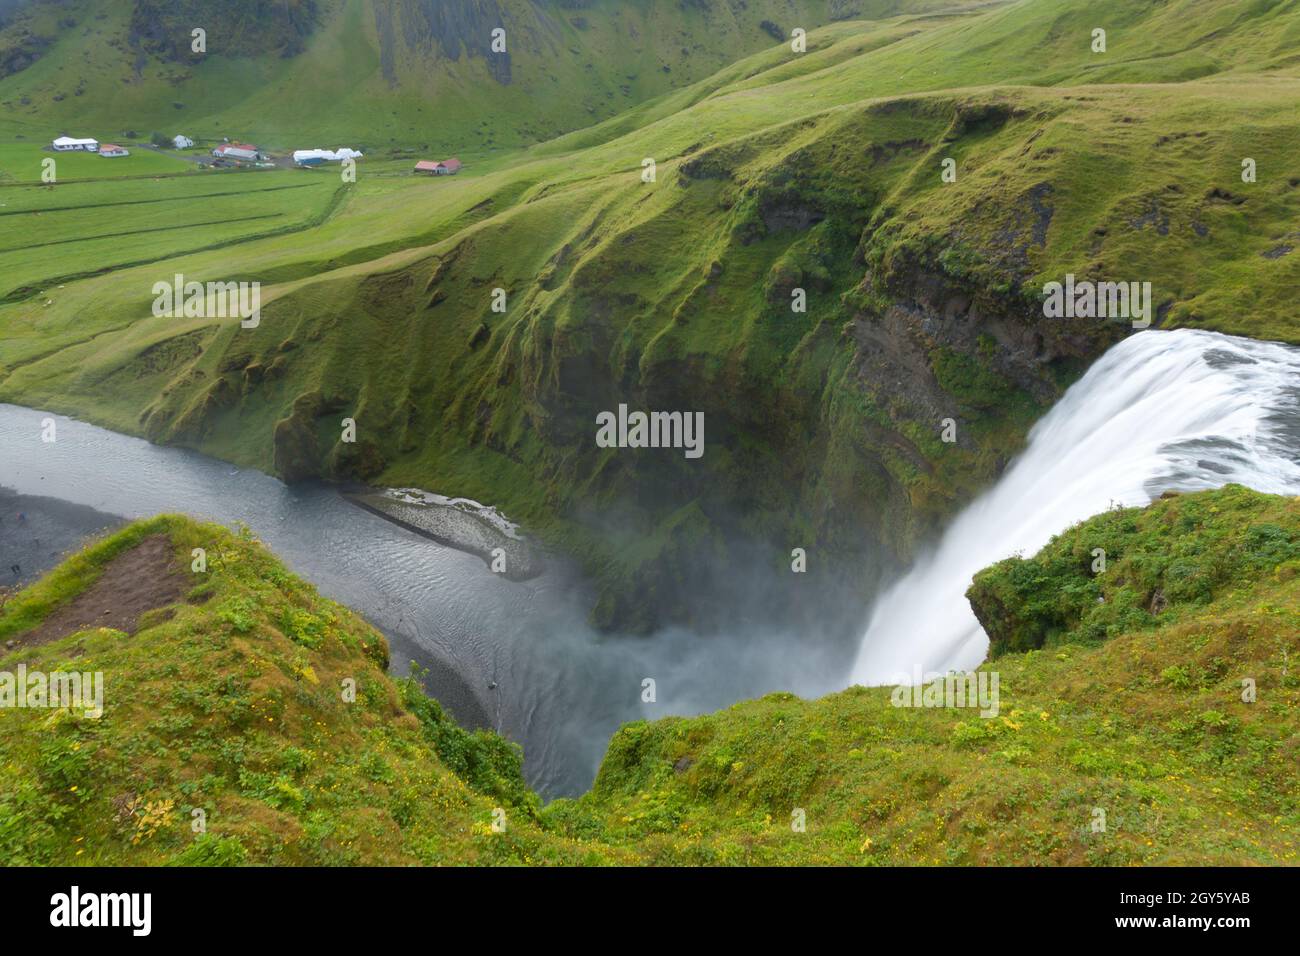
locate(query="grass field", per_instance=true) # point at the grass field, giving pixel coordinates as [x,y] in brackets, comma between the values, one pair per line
[21,161]
[145,221]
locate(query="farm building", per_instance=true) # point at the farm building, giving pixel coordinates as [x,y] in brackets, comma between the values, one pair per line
[448,167]
[110,150]
[65,143]
[241,152]
[182,142]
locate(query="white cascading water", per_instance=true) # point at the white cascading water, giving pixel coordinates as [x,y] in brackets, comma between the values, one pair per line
[1183,410]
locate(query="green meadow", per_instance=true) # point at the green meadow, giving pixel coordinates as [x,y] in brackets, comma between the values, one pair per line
[22,162]
[145,221]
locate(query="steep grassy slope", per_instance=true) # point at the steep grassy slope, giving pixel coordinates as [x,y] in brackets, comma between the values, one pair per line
[232,702]
[817,172]
[228,697]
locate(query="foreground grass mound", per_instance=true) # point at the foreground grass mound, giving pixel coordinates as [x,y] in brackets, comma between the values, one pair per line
[1172,740]
[232,700]
[1138,750]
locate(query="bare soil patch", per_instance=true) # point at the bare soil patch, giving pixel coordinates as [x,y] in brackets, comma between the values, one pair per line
[136,581]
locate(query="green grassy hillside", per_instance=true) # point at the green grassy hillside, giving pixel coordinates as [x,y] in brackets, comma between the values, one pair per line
[228,696]
[818,172]
[386,73]
[232,700]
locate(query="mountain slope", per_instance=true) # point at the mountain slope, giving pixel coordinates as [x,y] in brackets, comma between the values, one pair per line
[377,72]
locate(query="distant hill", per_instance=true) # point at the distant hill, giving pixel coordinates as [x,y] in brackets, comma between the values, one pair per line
[378,72]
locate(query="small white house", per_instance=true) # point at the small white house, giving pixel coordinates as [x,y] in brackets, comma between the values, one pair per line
[111,150]
[182,142]
[65,143]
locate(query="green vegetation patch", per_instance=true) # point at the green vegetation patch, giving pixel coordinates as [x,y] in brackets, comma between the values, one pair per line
[253,722]
[1132,569]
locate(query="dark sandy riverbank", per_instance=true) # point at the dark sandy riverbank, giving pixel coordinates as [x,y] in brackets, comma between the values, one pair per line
[36,533]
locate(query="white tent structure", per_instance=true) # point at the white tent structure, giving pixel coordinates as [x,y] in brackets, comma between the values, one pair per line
[314,157]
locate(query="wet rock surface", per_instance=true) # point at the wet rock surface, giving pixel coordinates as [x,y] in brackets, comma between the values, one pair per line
[457,523]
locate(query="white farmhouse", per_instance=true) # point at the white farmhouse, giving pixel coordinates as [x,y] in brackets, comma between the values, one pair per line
[65,143]
[182,142]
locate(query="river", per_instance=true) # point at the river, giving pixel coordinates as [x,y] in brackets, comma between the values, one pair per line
[516,656]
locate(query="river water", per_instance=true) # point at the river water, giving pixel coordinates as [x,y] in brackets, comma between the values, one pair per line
[514,656]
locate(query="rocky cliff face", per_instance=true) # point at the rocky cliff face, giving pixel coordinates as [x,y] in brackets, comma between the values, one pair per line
[244,28]
[825,429]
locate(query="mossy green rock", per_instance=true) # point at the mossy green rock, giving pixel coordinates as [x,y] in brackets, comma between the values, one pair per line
[1133,568]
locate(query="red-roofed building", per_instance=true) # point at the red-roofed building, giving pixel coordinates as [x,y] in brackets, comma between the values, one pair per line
[447,167]
[110,150]
[239,151]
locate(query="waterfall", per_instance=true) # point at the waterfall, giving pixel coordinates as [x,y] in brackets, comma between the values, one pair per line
[1184,410]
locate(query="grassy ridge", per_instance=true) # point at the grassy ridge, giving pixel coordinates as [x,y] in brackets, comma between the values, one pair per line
[234,705]
[231,701]
[1155,565]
